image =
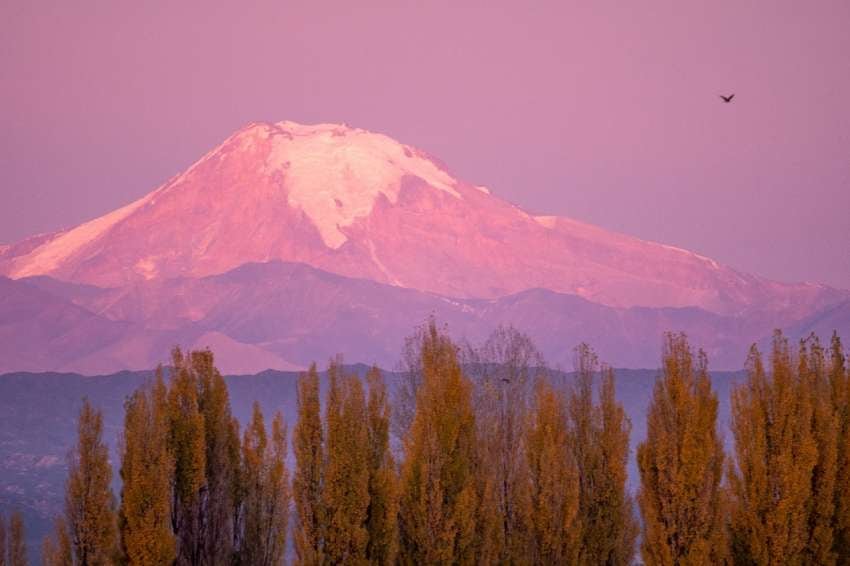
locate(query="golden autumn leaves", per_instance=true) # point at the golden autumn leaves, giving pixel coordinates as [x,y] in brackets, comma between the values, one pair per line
[681,464]
[489,470]
[492,459]
[787,497]
[192,493]
[790,485]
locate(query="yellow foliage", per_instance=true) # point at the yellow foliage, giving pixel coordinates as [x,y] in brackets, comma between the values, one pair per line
[89,503]
[814,381]
[600,444]
[266,492]
[839,379]
[346,476]
[307,482]
[186,444]
[554,480]
[146,470]
[681,465]
[776,453]
[221,490]
[382,514]
[438,494]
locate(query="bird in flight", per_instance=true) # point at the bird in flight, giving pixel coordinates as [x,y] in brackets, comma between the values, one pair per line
[727,99]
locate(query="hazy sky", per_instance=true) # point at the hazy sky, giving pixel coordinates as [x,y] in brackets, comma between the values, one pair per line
[604,111]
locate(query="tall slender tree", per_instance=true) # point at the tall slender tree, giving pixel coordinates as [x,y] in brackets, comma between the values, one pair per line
[776,453]
[56,549]
[815,381]
[17,540]
[346,475]
[503,370]
[280,493]
[600,445]
[681,464]
[89,502]
[839,379]
[438,490]
[554,480]
[217,500]
[307,444]
[382,513]
[187,445]
[266,492]
[147,467]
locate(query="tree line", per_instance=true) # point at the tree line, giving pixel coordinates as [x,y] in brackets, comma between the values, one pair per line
[484,456]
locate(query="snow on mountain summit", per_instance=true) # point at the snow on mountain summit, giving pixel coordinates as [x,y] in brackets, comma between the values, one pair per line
[335,173]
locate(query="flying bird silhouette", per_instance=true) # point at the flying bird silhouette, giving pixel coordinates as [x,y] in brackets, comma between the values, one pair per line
[727,99]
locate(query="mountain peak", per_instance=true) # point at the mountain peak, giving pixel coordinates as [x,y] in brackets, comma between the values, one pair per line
[361,204]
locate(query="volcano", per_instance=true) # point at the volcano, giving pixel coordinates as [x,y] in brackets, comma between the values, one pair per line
[363,206]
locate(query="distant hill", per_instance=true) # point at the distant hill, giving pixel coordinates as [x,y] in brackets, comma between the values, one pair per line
[285,315]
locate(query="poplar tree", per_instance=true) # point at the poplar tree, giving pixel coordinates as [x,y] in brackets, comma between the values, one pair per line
[815,381]
[17,537]
[438,493]
[382,513]
[266,492]
[681,464]
[600,445]
[89,502]
[553,478]
[776,453]
[504,369]
[56,550]
[839,379]
[346,475]
[217,501]
[307,481]
[279,493]
[146,471]
[187,446]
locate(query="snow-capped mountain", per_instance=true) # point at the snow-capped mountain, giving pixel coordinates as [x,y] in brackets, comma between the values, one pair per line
[361,204]
[289,243]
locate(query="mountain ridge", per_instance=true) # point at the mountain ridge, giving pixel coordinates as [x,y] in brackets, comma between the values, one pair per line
[282,315]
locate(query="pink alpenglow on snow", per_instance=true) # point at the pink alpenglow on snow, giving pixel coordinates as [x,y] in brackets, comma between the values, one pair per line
[363,205]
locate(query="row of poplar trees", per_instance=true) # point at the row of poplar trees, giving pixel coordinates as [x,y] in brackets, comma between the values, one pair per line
[192,492]
[485,457]
[786,498]
[496,465]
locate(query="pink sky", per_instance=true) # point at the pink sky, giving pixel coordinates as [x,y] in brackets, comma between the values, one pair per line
[604,111]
